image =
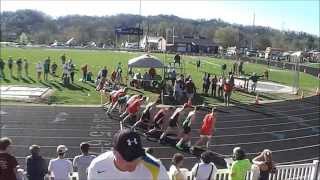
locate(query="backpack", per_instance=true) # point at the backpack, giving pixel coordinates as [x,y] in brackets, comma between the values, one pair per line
[209,174]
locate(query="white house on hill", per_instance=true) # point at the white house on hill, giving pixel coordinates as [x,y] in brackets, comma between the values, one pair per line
[154,43]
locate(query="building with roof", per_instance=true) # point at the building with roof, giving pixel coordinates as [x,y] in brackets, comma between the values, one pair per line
[153,43]
[191,44]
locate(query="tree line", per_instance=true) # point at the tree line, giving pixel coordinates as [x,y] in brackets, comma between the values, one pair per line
[38,27]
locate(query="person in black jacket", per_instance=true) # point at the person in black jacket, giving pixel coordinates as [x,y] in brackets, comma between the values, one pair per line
[36,165]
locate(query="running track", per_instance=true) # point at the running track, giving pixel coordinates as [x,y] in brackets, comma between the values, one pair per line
[290,129]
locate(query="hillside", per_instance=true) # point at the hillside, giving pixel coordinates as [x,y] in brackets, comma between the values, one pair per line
[43,29]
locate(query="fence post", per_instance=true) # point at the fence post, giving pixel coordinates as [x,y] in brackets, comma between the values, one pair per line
[315,169]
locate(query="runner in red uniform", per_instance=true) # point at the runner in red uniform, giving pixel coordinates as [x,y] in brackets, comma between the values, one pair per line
[207,128]
[133,108]
[114,99]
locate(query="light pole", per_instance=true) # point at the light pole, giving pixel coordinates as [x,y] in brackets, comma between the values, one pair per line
[139,24]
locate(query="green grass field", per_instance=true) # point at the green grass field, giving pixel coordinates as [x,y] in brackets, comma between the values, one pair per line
[84,93]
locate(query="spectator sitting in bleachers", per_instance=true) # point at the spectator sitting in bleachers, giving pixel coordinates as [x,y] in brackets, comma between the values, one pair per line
[60,168]
[8,163]
[265,164]
[177,162]
[240,165]
[36,165]
[205,169]
[82,162]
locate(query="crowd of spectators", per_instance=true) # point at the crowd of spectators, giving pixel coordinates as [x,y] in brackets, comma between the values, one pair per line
[128,159]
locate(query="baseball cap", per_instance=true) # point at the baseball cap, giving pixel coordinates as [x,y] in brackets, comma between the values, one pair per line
[62,149]
[128,144]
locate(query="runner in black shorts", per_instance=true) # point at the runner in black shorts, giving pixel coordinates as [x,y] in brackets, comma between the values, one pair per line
[158,121]
[186,125]
[145,117]
[173,126]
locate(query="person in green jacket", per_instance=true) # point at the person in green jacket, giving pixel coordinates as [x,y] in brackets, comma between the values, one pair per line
[240,165]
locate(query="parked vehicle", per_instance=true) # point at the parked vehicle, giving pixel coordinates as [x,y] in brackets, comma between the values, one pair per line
[252,53]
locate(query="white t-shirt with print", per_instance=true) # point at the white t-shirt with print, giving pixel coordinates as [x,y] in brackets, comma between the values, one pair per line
[204,171]
[60,168]
[103,168]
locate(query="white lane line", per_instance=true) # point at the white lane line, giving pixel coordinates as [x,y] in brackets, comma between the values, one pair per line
[261,119]
[226,128]
[265,125]
[271,112]
[3,112]
[194,137]
[269,141]
[61,116]
[253,142]
[220,121]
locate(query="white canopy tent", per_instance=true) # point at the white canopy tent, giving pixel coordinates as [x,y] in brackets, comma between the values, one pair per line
[297,54]
[145,61]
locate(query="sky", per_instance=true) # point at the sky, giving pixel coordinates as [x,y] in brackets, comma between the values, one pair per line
[297,15]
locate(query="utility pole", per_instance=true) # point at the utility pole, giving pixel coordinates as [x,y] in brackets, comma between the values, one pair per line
[173,35]
[253,34]
[139,24]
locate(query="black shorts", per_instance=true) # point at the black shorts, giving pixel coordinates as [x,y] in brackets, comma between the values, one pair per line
[157,126]
[186,130]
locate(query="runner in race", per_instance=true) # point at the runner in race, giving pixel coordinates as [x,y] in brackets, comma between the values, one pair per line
[173,126]
[206,130]
[186,126]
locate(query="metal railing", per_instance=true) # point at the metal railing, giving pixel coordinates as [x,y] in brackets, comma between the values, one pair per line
[308,171]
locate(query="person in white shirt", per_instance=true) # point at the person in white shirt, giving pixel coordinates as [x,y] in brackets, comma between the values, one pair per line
[82,162]
[177,91]
[39,69]
[60,168]
[127,161]
[65,72]
[204,170]
[175,172]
